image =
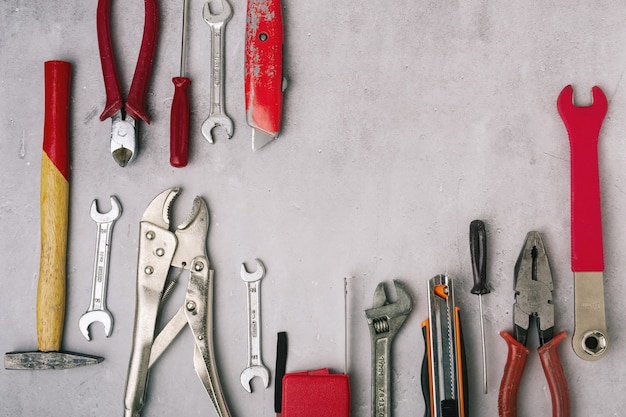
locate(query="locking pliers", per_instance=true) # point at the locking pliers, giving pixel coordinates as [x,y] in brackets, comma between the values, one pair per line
[160,249]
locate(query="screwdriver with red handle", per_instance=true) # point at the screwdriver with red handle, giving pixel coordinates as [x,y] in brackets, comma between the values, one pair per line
[179,122]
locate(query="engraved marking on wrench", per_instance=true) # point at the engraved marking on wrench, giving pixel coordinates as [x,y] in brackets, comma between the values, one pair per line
[217,113]
[255,364]
[97,311]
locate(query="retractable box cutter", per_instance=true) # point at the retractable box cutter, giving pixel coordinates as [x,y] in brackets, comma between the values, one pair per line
[444,371]
[264,82]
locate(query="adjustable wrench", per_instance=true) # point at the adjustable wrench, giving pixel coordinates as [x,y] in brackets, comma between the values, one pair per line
[255,364]
[97,307]
[217,114]
[385,319]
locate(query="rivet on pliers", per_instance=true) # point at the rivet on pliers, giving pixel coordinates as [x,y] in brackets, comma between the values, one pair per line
[124,114]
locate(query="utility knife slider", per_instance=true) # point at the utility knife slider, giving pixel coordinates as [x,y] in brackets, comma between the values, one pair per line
[264,83]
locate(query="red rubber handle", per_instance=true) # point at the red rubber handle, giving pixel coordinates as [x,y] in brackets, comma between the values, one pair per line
[513,371]
[179,123]
[264,65]
[135,103]
[549,355]
[583,127]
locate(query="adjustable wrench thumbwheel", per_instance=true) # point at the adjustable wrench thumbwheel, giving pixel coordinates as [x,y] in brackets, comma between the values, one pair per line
[255,364]
[98,311]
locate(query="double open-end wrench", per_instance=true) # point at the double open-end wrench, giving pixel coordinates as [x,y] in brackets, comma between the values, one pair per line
[97,306]
[385,319]
[217,113]
[583,124]
[255,364]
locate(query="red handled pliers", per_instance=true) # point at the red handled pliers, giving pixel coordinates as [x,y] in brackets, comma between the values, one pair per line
[533,300]
[124,114]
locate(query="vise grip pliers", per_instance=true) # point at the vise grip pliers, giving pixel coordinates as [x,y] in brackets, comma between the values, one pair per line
[185,248]
[124,114]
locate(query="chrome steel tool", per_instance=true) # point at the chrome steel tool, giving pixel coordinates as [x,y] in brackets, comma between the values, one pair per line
[583,124]
[385,319]
[124,113]
[533,302]
[97,311]
[185,249]
[255,365]
[217,113]
[444,374]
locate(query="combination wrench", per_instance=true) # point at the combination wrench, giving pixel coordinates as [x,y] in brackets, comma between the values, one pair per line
[98,311]
[217,113]
[255,364]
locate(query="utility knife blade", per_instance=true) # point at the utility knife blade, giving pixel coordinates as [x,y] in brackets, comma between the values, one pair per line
[264,70]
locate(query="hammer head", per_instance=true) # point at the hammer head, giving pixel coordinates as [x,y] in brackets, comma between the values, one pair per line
[47,360]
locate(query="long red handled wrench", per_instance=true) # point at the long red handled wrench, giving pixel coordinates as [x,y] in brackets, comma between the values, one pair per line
[590,340]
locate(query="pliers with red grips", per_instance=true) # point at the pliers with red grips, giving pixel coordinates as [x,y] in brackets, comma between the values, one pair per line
[124,114]
[533,301]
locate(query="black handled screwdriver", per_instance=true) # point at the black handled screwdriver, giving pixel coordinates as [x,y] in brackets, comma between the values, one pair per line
[478,252]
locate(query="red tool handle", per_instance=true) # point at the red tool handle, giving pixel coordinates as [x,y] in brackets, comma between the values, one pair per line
[54,197]
[513,371]
[179,123]
[264,65]
[549,355]
[583,127]
[135,103]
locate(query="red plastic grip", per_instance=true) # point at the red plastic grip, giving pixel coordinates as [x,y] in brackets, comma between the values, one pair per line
[264,65]
[57,98]
[135,103]
[179,123]
[583,127]
[513,371]
[549,355]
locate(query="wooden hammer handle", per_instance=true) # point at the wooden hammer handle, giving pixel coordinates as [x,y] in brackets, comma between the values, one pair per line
[54,207]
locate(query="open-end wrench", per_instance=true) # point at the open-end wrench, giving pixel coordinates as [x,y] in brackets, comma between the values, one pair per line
[98,311]
[217,113]
[590,340]
[385,319]
[255,364]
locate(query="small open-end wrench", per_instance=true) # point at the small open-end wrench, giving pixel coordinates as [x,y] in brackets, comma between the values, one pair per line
[217,113]
[98,311]
[583,123]
[255,364]
[385,319]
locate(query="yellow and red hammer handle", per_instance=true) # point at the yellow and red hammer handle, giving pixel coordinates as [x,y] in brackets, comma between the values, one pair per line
[54,207]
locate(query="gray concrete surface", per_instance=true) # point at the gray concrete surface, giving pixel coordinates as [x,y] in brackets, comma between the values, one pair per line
[402,123]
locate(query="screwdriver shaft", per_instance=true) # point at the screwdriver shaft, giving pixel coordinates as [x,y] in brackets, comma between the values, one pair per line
[482,338]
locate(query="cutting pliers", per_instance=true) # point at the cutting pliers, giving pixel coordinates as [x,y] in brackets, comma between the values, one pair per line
[533,300]
[124,114]
[185,248]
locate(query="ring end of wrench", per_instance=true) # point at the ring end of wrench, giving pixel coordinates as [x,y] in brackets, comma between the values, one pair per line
[590,340]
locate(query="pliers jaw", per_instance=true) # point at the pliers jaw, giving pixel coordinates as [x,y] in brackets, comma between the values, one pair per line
[123,138]
[533,291]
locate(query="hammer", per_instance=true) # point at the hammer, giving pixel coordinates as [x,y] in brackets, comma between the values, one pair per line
[54,196]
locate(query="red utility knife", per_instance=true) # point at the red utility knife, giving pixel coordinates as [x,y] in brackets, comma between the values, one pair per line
[264,70]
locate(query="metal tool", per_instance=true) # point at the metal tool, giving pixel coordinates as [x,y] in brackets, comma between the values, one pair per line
[583,124]
[385,319]
[98,311]
[533,301]
[124,114]
[255,364]
[55,170]
[264,82]
[185,249]
[444,371]
[179,118]
[478,251]
[217,113]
